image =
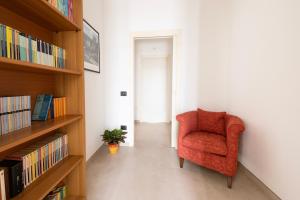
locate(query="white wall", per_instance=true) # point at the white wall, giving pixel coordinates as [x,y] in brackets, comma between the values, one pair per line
[153,80]
[264,86]
[215,31]
[122,18]
[94,83]
[254,45]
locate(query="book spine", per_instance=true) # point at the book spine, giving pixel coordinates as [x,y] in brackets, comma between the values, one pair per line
[18,45]
[2,186]
[8,41]
[1,40]
[30,48]
[38,107]
[34,50]
[5,41]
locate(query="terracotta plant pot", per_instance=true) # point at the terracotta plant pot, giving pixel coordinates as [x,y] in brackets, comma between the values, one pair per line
[113,148]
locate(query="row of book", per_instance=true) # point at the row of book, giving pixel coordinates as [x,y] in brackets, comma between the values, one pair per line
[64,6]
[59,193]
[21,168]
[15,113]
[48,107]
[20,46]
[41,156]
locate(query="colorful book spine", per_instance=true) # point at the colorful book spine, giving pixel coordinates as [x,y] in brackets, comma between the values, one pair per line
[38,158]
[59,193]
[14,113]
[64,6]
[19,46]
[58,107]
[8,41]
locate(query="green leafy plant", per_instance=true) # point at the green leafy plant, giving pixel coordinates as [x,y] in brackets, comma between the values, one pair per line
[114,136]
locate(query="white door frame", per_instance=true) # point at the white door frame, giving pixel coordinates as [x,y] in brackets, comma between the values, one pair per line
[175,35]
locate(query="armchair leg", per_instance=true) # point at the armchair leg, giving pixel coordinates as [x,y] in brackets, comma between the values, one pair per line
[181,161]
[229,182]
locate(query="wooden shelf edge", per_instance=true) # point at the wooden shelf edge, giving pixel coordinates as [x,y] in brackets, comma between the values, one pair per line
[11,64]
[45,183]
[37,129]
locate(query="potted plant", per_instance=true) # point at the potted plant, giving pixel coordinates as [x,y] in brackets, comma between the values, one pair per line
[113,138]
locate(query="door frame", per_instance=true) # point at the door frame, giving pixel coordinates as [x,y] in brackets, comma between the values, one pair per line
[175,35]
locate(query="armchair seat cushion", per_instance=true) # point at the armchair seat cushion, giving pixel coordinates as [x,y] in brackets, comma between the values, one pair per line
[206,142]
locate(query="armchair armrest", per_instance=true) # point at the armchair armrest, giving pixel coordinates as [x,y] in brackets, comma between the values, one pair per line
[187,122]
[234,127]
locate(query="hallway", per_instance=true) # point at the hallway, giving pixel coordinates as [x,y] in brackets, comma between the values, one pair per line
[150,171]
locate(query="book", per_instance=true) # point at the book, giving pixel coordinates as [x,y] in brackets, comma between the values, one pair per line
[15,182]
[38,107]
[3,183]
[23,54]
[42,107]
[8,41]
[1,39]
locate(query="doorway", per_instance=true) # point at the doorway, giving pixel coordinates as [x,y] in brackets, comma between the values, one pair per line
[174,37]
[153,90]
[153,80]
[153,86]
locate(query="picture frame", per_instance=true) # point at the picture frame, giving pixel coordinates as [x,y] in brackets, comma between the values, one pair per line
[91,46]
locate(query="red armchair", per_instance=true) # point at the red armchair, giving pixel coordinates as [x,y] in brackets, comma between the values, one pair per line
[210,139]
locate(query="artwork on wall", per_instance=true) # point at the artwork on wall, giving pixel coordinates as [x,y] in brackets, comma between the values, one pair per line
[91,48]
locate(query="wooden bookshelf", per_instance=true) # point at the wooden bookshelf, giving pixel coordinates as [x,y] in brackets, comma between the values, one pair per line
[40,19]
[44,184]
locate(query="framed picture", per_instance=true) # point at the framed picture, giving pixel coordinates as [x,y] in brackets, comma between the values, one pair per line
[91,48]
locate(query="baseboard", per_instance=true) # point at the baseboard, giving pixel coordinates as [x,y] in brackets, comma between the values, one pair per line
[257,181]
[87,161]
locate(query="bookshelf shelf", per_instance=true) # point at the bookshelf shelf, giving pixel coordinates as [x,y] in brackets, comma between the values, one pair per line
[42,13]
[10,64]
[37,129]
[45,183]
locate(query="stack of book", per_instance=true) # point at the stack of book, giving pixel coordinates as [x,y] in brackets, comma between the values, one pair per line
[47,107]
[64,6]
[14,113]
[41,156]
[20,46]
[59,193]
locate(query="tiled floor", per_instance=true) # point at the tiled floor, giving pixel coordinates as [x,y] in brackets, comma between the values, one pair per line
[150,171]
